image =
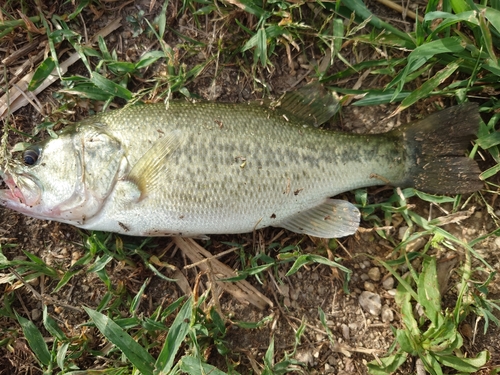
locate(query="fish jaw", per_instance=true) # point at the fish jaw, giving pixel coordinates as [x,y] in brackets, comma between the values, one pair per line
[23,194]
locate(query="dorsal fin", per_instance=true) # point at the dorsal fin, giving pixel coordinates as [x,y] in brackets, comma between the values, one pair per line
[312,104]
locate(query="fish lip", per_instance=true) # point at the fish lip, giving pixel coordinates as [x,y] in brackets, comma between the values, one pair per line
[14,195]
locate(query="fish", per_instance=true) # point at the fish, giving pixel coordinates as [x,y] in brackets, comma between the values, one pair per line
[192,169]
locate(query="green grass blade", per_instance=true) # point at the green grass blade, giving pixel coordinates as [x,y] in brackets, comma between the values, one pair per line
[41,73]
[466,365]
[35,340]
[138,297]
[193,366]
[492,15]
[51,326]
[252,8]
[149,58]
[381,97]
[490,172]
[428,290]
[134,352]
[449,19]
[88,91]
[459,6]
[81,5]
[403,299]
[175,337]
[487,41]
[162,19]
[61,355]
[429,85]
[360,9]
[387,365]
[305,259]
[110,87]
[420,55]
[489,140]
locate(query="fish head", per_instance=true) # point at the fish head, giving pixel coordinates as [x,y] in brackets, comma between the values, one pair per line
[63,178]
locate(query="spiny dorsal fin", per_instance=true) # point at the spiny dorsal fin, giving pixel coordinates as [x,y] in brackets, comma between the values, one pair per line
[146,173]
[331,219]
[312,104]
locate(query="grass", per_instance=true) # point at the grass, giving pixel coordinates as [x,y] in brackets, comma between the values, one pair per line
[451,54]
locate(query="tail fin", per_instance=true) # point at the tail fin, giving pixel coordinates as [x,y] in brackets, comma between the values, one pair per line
[437,146]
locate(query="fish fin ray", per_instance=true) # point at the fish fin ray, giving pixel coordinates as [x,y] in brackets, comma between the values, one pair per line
[148,173]
[312,104]
[331,219]
[437,149]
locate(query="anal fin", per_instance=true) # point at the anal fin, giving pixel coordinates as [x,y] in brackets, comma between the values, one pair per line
[331,219]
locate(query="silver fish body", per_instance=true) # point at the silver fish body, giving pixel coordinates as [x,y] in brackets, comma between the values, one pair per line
[206,168]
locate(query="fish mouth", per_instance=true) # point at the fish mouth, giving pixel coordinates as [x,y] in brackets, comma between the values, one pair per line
[21,191]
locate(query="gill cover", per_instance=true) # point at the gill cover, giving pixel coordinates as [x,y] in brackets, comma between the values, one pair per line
[99,156]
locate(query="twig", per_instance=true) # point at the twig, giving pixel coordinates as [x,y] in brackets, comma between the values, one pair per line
[43,298]
[400,9]
[242,290]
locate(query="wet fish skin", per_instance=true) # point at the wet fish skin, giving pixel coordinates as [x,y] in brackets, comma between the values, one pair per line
[207,168]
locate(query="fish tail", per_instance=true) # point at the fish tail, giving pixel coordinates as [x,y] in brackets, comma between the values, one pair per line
[437,151]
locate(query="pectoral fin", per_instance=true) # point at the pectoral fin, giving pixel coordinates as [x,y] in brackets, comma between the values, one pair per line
[331,219]
[152,168]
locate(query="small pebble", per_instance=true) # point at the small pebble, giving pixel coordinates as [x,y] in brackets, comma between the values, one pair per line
[345,331]
[374,273]
[36,314]
[369,286]
[364,277]
[387,315]
[353,326]
[497,242]
[416,244]
[388,283]
[284,290]
[305,357]
[466,330]
[370,302]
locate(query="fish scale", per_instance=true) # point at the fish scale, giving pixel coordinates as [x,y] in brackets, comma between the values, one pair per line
[193,169]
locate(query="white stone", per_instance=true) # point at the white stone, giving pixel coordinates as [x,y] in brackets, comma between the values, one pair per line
[370,302]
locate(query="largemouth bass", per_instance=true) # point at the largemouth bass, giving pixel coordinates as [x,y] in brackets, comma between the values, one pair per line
[192,169]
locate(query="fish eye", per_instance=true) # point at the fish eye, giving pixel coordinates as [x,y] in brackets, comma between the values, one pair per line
[31,155]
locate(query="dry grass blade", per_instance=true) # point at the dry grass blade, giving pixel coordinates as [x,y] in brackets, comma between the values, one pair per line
[15,56]
[242,290]
[403,11]
[18,95]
